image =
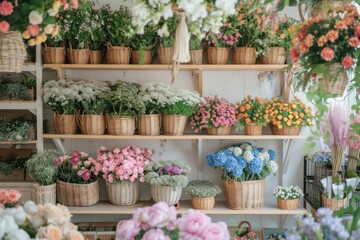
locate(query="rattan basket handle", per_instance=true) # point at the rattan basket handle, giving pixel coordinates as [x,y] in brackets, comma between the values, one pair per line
[245,222]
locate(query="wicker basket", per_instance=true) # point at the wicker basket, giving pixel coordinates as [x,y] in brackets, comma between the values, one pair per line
[95,57]
[123,194]
[91,124]
[203,203]
[54,55]
[150,124]
[196,57]
[166,194]
[217,55]
[288,204]
[277,55]
[334,204]
[77,195]
[174,124]
[146,57]
[17,174]
[244,195]
[64,124]
[120,125]
[337,85]
[219,131]
[244,55]
[12,52]
[78,56]
[285,130]
[43,194]
[117,55]
[253,129]
[165,55]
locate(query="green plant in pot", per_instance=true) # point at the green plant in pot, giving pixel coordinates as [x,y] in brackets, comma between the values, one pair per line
[98,36]
[167,40]
[42,169]
[143,45]
[202,194]
[196,50]
[17,91]
[16,130]
[30,83]
[54,50]
[12,167]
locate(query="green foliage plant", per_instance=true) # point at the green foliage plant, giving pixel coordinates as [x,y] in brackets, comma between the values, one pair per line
[167,32]
[202,189]
[16,90]
[28,81]
[145,42]
[41,167]
[196,43]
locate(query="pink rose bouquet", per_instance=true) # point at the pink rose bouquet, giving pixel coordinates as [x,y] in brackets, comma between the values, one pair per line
[160,222]
[77,168]
[214,113]
[9,198]
[125,164]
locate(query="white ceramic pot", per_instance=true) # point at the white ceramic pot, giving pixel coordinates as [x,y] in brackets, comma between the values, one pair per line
[166,194]
[124,194]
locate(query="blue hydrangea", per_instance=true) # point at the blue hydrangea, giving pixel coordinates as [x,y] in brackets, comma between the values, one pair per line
[237,171]
[241,161]
[230,164]
[272,154]
[322,158]
[210,159]
[256,166]
[255,152]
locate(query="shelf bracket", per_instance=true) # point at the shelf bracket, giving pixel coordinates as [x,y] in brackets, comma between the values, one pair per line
[286,157]
[200,159]
[59,145]
[59,73]
[283,221]
[32,111]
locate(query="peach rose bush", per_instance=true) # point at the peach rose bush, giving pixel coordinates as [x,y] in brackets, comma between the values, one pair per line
[160,222]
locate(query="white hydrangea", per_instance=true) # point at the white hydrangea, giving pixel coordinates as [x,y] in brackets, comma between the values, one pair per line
[237,151]
[272,166]
[248,155]
[264,156]
[245,146]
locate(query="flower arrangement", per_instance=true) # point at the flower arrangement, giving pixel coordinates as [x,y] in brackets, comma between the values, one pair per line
[252,110]
[9,198]
[213,113]
[182,102]
[160,222]
[97,24]
[41,167]
[244,162]
[77,168]
[202,189]
[125,164]
[288,192]
[146,41]
[224,39]
[155,96]
[167,173]
[289,114]
[321,158]
[91,97]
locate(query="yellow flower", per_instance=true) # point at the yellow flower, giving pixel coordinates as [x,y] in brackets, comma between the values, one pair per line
[43,37]
[279,117]
[25,35]
[293,105]
[31,42]
[39,40]
[56,5]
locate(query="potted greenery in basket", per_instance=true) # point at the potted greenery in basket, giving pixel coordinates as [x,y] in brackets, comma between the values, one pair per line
[244,171]
[167,179]
[196,50]
[96,43]
[16,130]
[30,83]
[124,105]
[202,194]
[288,197]
[122,169]
[219,44]
[167,40]
[12,166]
[208,116]
[334,196]
[17,91]
[42,169]
[77,185]
[142,45]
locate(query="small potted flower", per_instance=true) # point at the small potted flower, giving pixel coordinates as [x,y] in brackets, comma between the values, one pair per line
[54,50]
[167,179]
[167,40]
[216,115]
[219,44]
[98,36]
[196,50]
[77,185]
[202,194]
[252,115]
[142,46]
[288,197]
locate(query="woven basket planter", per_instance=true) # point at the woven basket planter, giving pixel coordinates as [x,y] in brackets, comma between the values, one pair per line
[174,124]
[219,131]
[334,204]
[196,57]
[77,195]
[78,56]
[120,125]
[123,194]
[95,56]
[12,52]
[217,55]
[277,55]
[117,55]
[165,55]
[166,194]
[43,194]
[203,203]
[150,124]
[91,124]
[64,124]
[146,57]
[244,195]
[54,55]
[288,204]
[244,55]
[285,130]
[337,85]
[253,129]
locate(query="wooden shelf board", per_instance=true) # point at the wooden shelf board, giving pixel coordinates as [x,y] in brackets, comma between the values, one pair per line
[182,137]
[106,208]
[207,67]
[18,143]
[17,105]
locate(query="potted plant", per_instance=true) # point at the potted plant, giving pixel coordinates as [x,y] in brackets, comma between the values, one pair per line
[123,105]
[17,91]
[42,169]
[252,115]
[167,179]
[167,40]
[322,161]
[30,83]
[202,194]
[77,185]
[334,196]
[208,116]
[96,43]
[143,45]
[288,197]
[196,50]
[180,105]
[122,169]
[287,118]
[119,34]
[15,130]
[244,171]
[219,44]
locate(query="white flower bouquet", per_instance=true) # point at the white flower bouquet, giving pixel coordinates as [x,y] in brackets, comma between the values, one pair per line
[182,102]
[288,192]
[155,96]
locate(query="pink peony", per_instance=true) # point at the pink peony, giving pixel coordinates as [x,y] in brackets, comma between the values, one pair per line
[33,30]
[347,62]
[13,196]
[216,231]
[155,234]
[327,54]
[194,223]
[6,8]
[4,26]
[128,230]
[159,215]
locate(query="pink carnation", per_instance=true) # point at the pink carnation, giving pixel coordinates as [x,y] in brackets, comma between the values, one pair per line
[6,8]
[13,196]
[33,30]
[4,26]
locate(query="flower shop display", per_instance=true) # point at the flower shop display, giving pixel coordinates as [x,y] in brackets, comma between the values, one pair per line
[245,168]
[124,104]
[160,222]
[202,194]
[142,46]
[288,197]
[122,169]
[216,115]
[196,51]
[167,179]
[15,130]
[17,90]
[77,185]
[167,40]
[252,115]
[287,118]
[219,44]
[12,167]
[42,169]
[354,149]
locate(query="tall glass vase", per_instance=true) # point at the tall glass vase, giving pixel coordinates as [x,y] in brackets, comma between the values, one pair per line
[353,159]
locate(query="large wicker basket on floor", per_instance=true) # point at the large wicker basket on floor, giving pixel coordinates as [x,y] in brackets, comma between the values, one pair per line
[77,195]
[12,52]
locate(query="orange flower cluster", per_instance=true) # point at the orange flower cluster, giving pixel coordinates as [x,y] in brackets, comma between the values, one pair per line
[252,110]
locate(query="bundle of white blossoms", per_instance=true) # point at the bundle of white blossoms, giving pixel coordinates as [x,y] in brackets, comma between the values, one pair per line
[288,192]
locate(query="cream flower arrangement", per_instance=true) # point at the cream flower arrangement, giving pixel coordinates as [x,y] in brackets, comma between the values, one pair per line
[155,96]
[182,102]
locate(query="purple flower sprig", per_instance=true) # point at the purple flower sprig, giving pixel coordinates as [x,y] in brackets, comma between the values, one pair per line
[170,170]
